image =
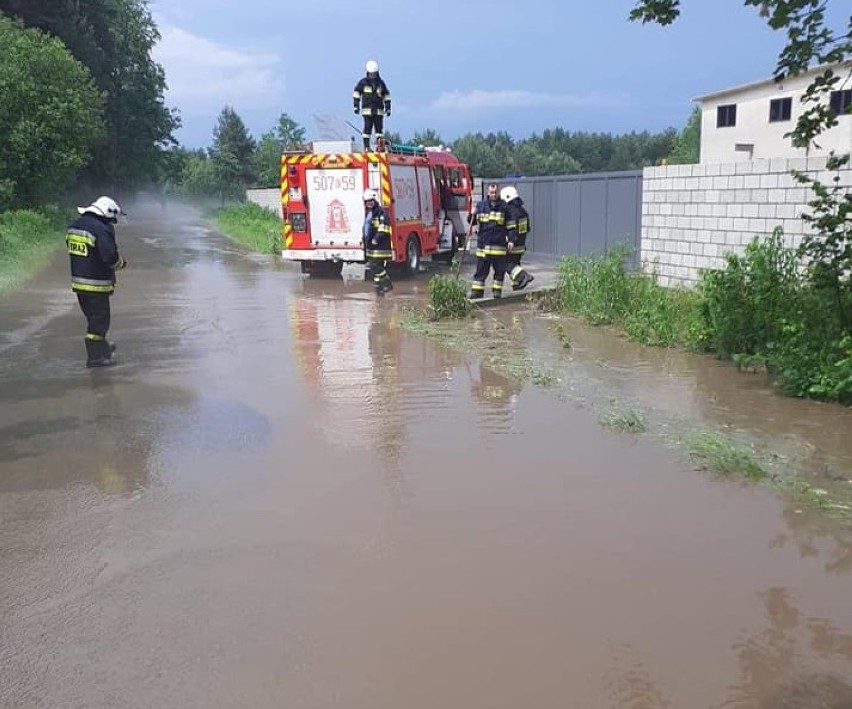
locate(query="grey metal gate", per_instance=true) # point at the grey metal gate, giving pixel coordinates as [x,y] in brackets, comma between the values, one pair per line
[583,214]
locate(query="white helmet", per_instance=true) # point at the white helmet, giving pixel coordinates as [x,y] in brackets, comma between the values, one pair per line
[372,67]
[371,194]
[103,207]
[507,194]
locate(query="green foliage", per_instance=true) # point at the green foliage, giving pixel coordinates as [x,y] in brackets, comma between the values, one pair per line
[629,421]
[50,116]
[722,455]
[744,305]
[761,310]
[828,247]
[113,39]
[232,154]
[289,132]
[604,292]
[448,296]
[252,225]
[198,177]
[27,240]
[428,138]
[687,149]
[267,161]
[558,152]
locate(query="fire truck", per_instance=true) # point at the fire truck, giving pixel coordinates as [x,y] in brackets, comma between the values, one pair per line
[426,193]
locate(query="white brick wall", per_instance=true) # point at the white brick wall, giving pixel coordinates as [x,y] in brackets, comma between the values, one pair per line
[693,214]
[269,198]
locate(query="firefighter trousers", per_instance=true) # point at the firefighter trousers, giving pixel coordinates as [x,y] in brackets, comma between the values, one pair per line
[371,122]
[95,307]
[484,264]
[381,278]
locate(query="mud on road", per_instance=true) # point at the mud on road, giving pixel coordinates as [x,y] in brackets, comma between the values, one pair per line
[282,498]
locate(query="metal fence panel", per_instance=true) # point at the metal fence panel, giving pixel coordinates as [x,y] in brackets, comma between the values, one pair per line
[582,214]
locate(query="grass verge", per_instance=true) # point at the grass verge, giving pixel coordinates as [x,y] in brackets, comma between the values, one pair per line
[28,240]
[251,225]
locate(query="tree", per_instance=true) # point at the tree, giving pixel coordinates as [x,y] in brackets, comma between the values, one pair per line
[427,138]
[267,160]
[688,147]
[113,39]
[232,154]
[289,132]
[50,115]
[198,178]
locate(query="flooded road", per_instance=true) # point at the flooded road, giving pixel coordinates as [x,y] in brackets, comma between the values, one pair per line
[282,499]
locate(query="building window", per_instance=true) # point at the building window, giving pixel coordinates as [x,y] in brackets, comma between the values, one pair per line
[726,116]
[841,101]
[780,109]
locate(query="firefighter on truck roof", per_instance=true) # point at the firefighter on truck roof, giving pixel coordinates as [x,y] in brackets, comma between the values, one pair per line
[377,241]
[372,100]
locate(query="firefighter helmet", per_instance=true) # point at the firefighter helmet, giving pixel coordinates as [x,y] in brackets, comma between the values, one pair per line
[371,194]
[372,67]
[103,207]
[507,194]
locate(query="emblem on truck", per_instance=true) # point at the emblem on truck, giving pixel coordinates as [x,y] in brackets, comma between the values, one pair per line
[336,218]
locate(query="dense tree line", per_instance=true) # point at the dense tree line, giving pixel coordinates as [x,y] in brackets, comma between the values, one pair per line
[235,160]
[77,57]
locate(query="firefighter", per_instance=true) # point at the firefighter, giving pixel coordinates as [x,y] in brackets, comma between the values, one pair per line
[94,257]
[492,244]
[518,226]
[372,100]
[377,241]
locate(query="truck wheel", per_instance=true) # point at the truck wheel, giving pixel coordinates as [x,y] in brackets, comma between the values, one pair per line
[412,255]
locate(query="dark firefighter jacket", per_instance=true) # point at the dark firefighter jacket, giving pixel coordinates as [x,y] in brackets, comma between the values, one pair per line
[94,255]
[372,96]
[376,227]
[491,218]
[518,225]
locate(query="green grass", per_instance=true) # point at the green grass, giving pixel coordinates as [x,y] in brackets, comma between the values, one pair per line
[251,225]
[629,421]
[28,240]
[448,296]
[720,454]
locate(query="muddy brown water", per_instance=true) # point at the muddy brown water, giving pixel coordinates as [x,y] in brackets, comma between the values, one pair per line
[281,498]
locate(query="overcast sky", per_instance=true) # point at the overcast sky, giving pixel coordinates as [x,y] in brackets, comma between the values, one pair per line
[456,67]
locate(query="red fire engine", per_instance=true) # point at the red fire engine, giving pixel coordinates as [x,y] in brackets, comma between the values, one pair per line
[426,193]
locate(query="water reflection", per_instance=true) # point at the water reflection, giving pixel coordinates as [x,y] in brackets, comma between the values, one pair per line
[772,663]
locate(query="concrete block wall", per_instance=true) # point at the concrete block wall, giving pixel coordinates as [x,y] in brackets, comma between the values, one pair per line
[693,214]
[269,198]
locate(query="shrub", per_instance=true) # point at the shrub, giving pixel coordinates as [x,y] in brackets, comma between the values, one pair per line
[448,296]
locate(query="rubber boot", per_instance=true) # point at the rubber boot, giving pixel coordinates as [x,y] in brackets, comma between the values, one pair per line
[521,279]
[98,354]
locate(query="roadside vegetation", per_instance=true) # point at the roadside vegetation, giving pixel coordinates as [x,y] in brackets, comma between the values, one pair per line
[28,239]
[763,311]
[250,224]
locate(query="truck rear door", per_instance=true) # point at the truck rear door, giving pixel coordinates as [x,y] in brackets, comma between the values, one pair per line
[335,208]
